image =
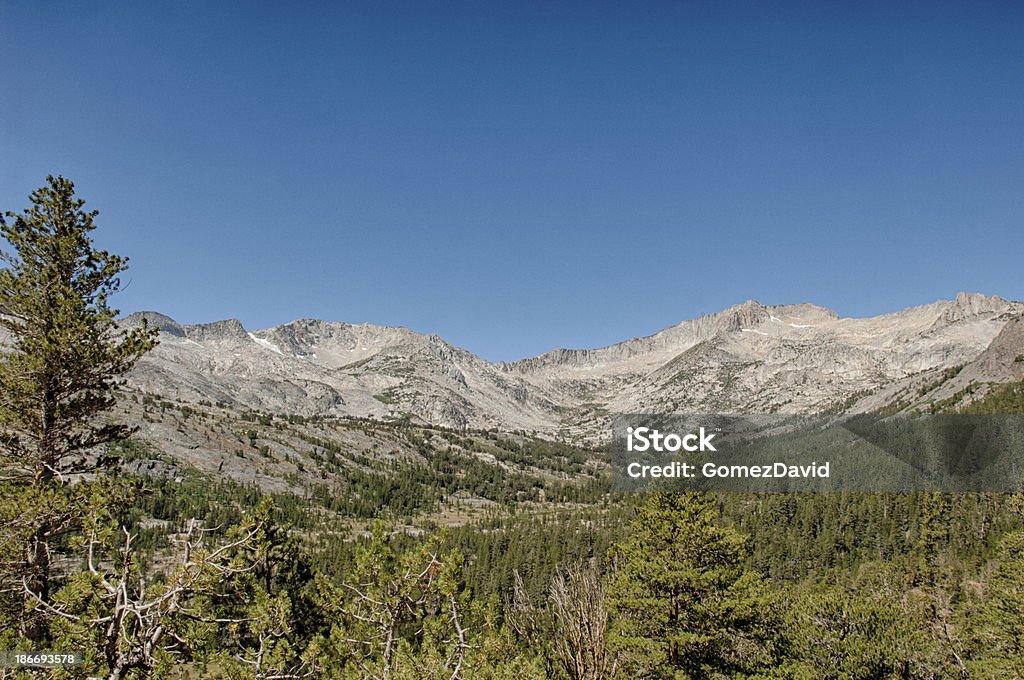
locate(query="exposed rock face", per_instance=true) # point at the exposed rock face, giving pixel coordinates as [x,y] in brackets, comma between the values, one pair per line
[748,358]
[1002,360]
[155,320]
[314,367]
[791,358]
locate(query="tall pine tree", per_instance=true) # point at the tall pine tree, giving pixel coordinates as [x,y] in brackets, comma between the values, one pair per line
[61,359]
[683,605]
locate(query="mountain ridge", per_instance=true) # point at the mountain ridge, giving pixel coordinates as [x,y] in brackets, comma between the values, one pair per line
[748,357]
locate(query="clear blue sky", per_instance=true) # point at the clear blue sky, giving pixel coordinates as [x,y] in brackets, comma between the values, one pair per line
[519,176]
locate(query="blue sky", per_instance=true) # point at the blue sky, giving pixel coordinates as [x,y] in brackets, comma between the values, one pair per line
[520,176]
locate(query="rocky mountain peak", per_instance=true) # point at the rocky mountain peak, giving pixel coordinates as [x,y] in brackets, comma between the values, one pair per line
[805,312]
[228,329]
[162,322]
[749,313]
[971,304]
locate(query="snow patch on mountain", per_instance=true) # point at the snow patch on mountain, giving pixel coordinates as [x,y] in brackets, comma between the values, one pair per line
[266,344]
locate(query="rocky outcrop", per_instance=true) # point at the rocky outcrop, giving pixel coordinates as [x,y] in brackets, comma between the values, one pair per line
[164,324]
[229,329]
[310,367]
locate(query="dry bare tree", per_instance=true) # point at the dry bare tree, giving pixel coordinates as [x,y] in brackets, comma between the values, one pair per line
[580,623]
[573,623]
[414,597]
[131,620]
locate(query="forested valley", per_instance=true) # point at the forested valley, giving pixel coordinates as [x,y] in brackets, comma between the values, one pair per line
[535,579]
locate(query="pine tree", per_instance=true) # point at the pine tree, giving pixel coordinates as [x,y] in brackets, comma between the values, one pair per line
[835,634]
[682,602]
[999,624]
[60,361]
[66,349]
[271,603]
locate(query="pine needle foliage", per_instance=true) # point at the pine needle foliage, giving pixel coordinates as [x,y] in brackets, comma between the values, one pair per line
[65,351]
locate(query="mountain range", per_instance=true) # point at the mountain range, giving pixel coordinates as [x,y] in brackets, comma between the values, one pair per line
[749,358]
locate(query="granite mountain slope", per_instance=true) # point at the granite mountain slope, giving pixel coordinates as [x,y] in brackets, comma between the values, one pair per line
[748,358]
